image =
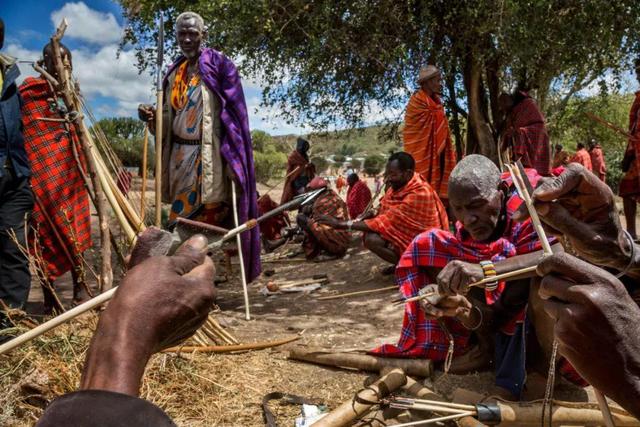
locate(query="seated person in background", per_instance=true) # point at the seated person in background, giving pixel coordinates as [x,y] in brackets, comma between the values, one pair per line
[409,207]
[560,157]
[271,228]
[582,157]
[591,310]
[178,292]
[486,242]
[318,236]
[358,196]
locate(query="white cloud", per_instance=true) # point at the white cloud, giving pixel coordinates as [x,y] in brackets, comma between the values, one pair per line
[87,24]
[23,54]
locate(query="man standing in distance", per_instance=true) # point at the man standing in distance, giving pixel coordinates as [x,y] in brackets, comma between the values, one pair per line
[206,141]
[426,132]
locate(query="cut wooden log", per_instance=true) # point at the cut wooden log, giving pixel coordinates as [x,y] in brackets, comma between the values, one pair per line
[581,414]
[364,362]
[363,401]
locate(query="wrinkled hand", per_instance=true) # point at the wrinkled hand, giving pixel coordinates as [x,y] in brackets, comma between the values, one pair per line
[595,325]
[327,220]
[161,301]
[166,299]
[449,306]
[456,277]
[580,207]
[146,113]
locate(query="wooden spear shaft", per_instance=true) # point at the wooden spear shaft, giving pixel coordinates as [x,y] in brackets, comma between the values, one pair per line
[106,274]
[144,172]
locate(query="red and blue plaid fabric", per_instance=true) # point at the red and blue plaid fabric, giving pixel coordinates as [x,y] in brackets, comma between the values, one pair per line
[422,337]
[358,197]
[56,180]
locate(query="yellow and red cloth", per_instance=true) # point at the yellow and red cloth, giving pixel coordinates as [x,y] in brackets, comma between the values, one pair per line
[428,139]
[56,181]
[407,212]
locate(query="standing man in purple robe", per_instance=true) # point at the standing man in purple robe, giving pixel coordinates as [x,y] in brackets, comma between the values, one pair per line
[206,143]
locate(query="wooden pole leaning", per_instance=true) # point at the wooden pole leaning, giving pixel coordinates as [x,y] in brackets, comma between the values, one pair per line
[65,88]
[145,146]
[243,273]
[158,117]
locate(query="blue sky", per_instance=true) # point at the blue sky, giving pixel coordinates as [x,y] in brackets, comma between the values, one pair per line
[110,83]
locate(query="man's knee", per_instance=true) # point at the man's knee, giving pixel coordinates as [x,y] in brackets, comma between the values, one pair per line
[373,241]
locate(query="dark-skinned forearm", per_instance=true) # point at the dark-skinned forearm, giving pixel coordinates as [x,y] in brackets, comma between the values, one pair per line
[357,225]
[522,261]
[115,360]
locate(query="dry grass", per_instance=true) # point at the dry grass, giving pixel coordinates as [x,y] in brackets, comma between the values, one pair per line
[195,390]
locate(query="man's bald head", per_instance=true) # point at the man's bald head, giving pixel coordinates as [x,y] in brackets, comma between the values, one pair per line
[50,60]
[476,173]
[475,196]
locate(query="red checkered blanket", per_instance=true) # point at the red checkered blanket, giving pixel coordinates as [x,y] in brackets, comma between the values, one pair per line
[56,180]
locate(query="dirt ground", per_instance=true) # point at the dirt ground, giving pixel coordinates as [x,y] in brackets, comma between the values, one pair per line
[226,390]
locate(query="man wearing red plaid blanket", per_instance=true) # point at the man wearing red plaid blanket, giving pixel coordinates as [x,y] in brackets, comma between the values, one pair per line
[60,230]
[409,207]
[487,242]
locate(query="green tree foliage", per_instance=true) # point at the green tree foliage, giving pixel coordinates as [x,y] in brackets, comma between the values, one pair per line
[126,136]
[574,126]
[321,163]
[269,161]
[374,164]
[328,62]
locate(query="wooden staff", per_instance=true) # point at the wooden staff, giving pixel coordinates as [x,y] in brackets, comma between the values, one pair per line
[158,117]
[282,180]
[106,274]
[243,274]
[367,292]
[229,348]
[144,172]
[610,125]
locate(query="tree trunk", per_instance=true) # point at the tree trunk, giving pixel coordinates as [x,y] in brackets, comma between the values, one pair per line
[479,134]
[106,274]
[450,79]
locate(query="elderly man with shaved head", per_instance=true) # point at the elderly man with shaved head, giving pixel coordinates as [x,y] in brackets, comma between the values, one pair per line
[486,242]
[206,143]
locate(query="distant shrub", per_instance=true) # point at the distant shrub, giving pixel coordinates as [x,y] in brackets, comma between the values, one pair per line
[320,163]
[374,164]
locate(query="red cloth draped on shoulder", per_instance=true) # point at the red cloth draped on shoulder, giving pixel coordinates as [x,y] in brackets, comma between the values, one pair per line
[527,135]
[428,139]
[297,165]
[630,183]
[358,197]
[582,156]
[597,162]
[407,212]
[56,180]
[323,236]
[270,228]
[423,337]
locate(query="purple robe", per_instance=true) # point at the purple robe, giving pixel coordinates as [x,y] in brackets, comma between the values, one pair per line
[221,77]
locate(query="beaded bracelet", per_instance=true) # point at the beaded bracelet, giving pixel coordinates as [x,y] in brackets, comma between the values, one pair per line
[489,270]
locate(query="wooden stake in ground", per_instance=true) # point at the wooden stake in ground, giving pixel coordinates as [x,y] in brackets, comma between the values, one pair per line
[65,88]
[158,117]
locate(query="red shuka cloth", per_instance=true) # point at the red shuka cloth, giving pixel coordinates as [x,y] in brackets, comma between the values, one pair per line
[270,228]
[582,156]
[56,180]
[427,138]
[304,167]
[407,212]
[527,135]
[422,337]
[597,162]
[630,184]
[358,197]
